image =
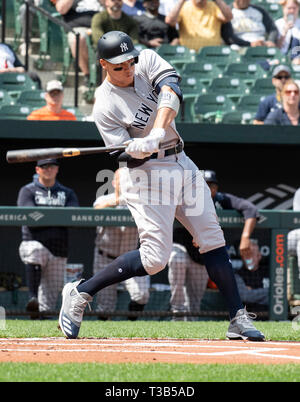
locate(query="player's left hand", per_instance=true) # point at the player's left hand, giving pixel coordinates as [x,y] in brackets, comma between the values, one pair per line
[141,148]
[136,150]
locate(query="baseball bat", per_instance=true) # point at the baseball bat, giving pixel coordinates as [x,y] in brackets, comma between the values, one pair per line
[31,155]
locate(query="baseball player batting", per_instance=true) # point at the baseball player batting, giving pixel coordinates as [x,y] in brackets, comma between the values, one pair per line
[136,104]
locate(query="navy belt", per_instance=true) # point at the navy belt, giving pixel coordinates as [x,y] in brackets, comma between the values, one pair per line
[176,150]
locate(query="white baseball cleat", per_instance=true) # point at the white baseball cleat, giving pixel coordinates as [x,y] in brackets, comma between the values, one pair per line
[72,309]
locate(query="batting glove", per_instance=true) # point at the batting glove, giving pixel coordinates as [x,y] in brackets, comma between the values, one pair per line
[141,148]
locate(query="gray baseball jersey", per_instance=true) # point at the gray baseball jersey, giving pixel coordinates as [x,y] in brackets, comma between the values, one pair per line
[130,112]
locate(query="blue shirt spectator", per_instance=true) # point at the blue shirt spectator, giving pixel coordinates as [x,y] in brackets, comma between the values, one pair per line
[133,7]
[271,102]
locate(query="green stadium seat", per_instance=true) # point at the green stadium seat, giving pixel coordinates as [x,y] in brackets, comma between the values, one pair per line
[44,32]
[15,112]
[140,46]
[192,87]
[5,98]
[248,72]
[274,9]
[204,71]
[262,53]
[263,87]
[295,70]
[234,88]
[178,56]
[238,117]
[218,55]
[207,107]
[15,83]
[32,98]
[249,103]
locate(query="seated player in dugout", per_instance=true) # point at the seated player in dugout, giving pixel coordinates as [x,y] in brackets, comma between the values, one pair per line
[142,98]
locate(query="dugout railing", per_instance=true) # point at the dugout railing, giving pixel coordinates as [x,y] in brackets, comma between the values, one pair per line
[84,221]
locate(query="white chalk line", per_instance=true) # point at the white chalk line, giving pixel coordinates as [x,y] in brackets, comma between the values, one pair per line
[245,349]
[258,353]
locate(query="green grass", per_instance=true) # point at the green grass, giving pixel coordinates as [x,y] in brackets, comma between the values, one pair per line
[279,331]
[147,372]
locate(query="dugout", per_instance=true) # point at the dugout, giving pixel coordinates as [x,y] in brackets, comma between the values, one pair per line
[255,162]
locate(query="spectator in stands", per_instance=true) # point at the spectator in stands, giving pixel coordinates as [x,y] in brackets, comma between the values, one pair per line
[111,242]
[251,25]
[133,7]
[289,30]
[54,100]
[269,103]
[22,15]
[153,31]
[294,235]
[10,63]
[113,19]
[187,274]
[199,22]
[44,250]
[78,15]
[165,6]
[289,114]
[257,294]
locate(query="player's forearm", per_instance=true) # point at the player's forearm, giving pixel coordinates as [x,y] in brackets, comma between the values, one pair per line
[172,17]
[165,115]
[249,227]
[63,6]
[225,10]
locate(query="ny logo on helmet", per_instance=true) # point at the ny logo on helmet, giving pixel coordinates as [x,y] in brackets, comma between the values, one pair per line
[124,47]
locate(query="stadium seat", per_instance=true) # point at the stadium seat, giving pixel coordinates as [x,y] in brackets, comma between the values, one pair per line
[44,32]
[274,9]
[263,53]
[15,83]
[262,87]
[5,98]
[234,88]
[204,71]
[16,112]
[238,117]
[218,55]
[32,98]
[192,87]
[248,72]
[295,68]
[249,103]
[178,56]
[207,107]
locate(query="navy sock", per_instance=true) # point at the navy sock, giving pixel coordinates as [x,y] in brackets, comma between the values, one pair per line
[33,276]
[124,267]
[220,271]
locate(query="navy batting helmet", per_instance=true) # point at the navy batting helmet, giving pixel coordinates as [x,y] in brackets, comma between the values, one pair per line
[116,47]
[210,176]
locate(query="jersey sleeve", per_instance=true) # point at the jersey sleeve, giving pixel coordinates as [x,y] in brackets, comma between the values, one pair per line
[154,67]
[25,198]
[245,207]
[111,131]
